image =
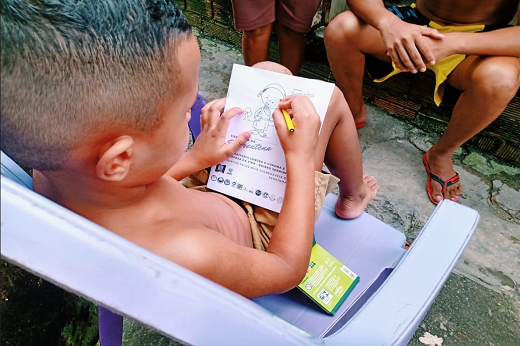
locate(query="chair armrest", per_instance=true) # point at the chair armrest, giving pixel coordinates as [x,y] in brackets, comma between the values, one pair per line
[395,311]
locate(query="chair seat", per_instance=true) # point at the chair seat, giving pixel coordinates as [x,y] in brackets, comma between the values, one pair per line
[366,245]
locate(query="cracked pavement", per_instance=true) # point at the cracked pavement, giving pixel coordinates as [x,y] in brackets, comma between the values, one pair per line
[480,303]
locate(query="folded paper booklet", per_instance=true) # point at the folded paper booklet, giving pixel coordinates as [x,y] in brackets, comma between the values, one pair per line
[328,282]
[256,173]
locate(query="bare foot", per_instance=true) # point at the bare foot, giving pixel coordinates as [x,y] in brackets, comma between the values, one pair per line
[443,167]
[348,207]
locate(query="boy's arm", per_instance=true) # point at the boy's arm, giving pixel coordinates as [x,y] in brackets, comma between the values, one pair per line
[251,272]
[405,43]
[210,147]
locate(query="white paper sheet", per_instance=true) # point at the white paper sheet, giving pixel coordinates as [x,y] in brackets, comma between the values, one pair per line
[256,173]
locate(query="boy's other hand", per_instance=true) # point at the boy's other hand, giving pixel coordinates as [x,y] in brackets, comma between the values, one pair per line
[303,141]
[211,148]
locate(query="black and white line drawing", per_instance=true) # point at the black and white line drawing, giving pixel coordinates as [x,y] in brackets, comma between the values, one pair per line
[262,118]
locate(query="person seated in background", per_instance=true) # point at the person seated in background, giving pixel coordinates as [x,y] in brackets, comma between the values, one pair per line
[468,44]
[292,19]
[98,101]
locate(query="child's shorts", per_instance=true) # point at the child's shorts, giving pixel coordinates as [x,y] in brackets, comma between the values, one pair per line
[294,14]
[262,220]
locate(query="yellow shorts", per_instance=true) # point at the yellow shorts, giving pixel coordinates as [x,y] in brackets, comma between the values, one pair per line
[443,68]
[263,220]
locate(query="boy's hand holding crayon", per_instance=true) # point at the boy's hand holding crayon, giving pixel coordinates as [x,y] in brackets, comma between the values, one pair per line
[303,140]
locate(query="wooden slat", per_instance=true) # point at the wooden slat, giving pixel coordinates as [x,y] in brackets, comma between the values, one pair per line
[394,108]
[223,12]
[399,100]
[509,152]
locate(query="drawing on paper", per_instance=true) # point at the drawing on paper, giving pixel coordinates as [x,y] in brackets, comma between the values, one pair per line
[262,118]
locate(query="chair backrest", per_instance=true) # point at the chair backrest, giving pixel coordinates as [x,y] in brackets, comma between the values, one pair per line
[196,109]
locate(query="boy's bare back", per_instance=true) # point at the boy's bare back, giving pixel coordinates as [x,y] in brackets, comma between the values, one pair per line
[170,212]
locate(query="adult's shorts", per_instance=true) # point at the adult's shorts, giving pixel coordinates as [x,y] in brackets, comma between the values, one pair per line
[443,68]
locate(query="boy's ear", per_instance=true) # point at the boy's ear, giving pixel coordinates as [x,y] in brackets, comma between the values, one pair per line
[115,159]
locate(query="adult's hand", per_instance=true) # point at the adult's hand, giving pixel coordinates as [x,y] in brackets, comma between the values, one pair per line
[409,45]
[446,47]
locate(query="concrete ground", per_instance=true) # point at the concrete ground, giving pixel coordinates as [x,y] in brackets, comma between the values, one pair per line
[480,303]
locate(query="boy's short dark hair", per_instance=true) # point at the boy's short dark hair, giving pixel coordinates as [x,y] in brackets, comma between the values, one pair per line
[71,67]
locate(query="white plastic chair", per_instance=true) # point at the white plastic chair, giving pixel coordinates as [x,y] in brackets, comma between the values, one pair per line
[86,259]
[396,289]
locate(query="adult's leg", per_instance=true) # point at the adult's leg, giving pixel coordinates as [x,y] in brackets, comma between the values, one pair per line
[291,46]
[347,40]
[488,84]
[255,44]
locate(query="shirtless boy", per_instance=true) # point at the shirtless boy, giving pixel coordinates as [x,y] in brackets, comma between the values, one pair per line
[96,98]
[487,70]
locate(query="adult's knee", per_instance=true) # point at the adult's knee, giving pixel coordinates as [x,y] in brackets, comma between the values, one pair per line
[497,77]
[346,25]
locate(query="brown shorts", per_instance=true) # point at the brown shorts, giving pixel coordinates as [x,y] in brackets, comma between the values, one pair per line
[262,220]
[294,14]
